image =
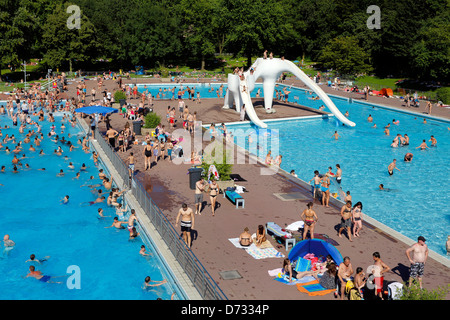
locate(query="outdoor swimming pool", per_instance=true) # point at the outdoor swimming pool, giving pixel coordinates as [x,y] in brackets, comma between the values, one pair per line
[417,203]
[72,235]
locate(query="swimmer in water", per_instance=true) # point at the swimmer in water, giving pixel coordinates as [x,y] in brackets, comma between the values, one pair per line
[100,213]
[433,141]
[150,283]
[65,200]
[40,261]
[98,200]
[392,166]
[143,252]
[423,145]
[117,224]
[408,157]
[39,276]
[335,135]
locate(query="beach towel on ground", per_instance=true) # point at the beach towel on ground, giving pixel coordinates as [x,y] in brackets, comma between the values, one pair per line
[235,242]
[258,253]
[313,288]
[302,265]
[294,226]
[285,279]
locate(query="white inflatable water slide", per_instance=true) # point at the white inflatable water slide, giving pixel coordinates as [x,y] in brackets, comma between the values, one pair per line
[269,70]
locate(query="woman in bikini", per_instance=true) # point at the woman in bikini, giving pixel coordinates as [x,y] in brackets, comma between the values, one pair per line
[357,219]
[213,191]
[245,239]
[260,235]
[310,219]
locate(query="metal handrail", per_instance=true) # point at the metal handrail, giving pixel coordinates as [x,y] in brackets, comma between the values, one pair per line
[192,266]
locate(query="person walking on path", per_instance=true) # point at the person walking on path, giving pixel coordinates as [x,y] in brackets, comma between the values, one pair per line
[199,189]
[186,223]
[346,220]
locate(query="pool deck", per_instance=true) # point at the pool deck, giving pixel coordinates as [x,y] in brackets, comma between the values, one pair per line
[168,185]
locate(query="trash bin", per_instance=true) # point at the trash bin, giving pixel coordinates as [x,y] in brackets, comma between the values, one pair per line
[137,127]
[194,175]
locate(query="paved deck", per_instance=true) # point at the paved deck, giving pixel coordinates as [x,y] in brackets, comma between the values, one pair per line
[168,185]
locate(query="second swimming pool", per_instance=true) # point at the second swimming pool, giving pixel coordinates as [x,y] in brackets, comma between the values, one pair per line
[417,197]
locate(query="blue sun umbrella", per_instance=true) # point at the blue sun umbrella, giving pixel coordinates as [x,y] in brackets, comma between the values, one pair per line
[96,109]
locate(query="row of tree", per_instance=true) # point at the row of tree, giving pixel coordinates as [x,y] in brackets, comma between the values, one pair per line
[413,39]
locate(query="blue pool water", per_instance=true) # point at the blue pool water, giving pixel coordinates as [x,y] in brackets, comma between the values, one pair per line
[72,235]
[418,201]
[206,90]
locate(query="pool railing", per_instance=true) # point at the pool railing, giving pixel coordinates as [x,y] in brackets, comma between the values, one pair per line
[201,279]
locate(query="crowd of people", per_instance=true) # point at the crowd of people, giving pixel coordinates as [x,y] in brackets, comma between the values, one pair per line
[21,106]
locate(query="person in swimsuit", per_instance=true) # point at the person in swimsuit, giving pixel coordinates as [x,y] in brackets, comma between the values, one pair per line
[325,188]
[346,220]
[148,156]
[289,271]
[423,145]
[338,174]
[310,218]
[245,239]
[260,235]
[148,283]
[39,276]
[199,189]
[40,261]
[417,255]
[408,157]
[130,161]
[117,224]
[186,223]
[392,166]
[316,179]
[379,274]
[357,219]
[433,141]
[213,192]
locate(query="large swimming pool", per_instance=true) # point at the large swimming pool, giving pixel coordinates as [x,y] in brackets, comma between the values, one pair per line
[110,266]
[417,202]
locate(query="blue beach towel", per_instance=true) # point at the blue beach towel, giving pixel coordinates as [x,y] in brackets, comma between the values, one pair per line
[302,265]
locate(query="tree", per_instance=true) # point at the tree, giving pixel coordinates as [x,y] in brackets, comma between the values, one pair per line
[198,28]
[18,33]
[430,53]
[65,45]
[256,25]
[152,35]
[345,55]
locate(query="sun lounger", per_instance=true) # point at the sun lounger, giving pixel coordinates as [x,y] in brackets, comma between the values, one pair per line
[235,198]
[276,230]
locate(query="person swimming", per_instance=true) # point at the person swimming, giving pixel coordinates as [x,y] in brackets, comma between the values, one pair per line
[40,261]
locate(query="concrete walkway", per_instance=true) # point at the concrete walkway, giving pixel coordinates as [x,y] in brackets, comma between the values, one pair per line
[168,185]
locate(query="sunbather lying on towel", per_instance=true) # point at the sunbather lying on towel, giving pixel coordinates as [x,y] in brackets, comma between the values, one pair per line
[287,270]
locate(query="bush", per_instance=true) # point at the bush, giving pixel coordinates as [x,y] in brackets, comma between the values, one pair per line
[152,120]
[443,94]
[119,95]
[223,168]
[415,293]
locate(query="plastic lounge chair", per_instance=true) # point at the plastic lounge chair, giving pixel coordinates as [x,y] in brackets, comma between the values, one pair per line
[275,229]
[235,198]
